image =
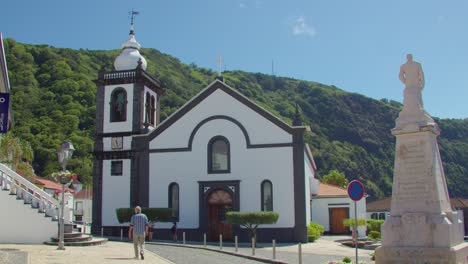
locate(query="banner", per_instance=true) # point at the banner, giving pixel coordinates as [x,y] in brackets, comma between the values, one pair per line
[4,106]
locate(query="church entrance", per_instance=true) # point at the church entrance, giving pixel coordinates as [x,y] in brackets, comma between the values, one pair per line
[219,202]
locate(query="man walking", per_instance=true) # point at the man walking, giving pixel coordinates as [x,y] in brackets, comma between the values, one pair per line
[138,228]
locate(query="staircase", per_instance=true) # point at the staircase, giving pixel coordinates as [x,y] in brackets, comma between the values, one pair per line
[30,216]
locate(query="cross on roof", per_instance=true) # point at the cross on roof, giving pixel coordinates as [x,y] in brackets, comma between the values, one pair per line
[220,64]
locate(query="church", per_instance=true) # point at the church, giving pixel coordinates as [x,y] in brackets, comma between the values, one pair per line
[219,152]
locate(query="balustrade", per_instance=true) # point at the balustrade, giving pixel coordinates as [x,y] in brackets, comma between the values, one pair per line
[30,193]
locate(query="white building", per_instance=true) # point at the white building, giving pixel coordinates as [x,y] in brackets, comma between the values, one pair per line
[218,152]
[83,206]
[330,206]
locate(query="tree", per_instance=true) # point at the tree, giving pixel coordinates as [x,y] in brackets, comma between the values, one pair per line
[252,220]
[336,178]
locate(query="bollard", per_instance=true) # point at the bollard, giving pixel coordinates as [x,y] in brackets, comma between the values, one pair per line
[220,241]
[300,253]
[253,246]
[183,238]
[102,231]
[204,239]
[274,249]
[121,234]
[235,243]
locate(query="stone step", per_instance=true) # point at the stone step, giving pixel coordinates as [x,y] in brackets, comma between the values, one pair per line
[74,234]
[93,242]
[73,239]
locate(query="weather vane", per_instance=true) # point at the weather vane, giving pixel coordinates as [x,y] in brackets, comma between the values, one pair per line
[132,14]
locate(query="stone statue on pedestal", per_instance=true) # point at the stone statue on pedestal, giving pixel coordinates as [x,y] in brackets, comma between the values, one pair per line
[421,226]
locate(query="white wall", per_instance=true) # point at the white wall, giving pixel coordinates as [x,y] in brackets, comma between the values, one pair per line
[260,130]
[320,208]
[110,127]
[87,209]
[107,146]
[309,181]
[250,166]
[22,224]
[115,192]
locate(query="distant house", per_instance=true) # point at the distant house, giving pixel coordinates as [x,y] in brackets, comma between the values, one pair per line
[51,187]
[83,206]
[330,206]
[381,208]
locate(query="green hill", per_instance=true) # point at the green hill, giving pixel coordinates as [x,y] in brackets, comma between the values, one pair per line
[53,97]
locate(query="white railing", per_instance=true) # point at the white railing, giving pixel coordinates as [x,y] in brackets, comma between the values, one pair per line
[30,193]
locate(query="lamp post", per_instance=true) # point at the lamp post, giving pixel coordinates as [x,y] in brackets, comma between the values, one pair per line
[64,153]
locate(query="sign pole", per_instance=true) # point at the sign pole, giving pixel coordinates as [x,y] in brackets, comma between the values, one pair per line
[355,231]
[355,193]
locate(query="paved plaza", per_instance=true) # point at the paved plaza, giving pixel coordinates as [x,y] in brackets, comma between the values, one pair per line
[324,250]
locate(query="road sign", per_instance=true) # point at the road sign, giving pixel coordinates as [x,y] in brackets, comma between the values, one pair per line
[355,190]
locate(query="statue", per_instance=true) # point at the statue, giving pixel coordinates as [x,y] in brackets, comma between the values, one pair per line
[412,76]
[413,114]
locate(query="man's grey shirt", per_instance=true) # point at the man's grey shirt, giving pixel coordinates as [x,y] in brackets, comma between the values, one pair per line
[139,222]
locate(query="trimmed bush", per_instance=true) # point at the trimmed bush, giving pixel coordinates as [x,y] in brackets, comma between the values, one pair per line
[350,222]
[314,231]
[252,220]
[374,235]
[124,215]
[374,225]
[347,260]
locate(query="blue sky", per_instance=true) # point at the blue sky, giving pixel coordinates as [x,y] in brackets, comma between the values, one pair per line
[356,45]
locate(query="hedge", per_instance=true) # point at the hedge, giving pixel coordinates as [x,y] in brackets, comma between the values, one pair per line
[124,215]
[314,231]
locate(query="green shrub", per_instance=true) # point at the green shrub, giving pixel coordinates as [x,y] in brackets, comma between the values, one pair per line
[252,220]
[374,225]
[314,231]
[350,222]
[124,215]
[347,260]
[374,235]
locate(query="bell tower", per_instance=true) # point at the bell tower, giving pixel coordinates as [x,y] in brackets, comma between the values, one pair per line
[127,105]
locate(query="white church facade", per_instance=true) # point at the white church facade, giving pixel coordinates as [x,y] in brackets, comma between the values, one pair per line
[219,152]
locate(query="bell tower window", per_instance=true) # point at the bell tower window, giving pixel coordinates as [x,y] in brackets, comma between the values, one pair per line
[153,110]
[118,104]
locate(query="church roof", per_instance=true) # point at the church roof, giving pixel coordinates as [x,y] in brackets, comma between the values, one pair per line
[215,85]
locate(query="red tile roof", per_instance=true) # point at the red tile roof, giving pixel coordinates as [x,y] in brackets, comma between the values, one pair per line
[327,190]
[51,185]
[84,194]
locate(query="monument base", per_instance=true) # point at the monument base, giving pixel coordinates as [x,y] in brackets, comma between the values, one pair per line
[416,255]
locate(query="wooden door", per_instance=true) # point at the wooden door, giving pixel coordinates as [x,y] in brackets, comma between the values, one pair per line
[219,203]
[337,216]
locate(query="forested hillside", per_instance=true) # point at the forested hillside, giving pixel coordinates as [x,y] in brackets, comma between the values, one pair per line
[53,97]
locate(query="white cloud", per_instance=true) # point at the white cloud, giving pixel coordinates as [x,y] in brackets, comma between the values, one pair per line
[300,27]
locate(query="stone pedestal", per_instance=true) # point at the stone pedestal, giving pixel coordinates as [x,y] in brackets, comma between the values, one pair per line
[421,228]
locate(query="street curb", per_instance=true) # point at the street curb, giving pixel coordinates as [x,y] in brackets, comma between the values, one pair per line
[264,260]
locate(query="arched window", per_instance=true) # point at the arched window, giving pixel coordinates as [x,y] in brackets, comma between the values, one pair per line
[219,155]
[118,104]
[374,216]
[147,109]
[153,110]
[267,196]
[174,199]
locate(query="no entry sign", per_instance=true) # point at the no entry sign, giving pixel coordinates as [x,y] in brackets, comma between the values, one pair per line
[355,190]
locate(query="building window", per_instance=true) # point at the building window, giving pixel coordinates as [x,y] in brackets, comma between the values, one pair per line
[174,199]
[267,196]
[118,105]
[219,155]
[116,168]
[147,109]
[153,111]
[382,216]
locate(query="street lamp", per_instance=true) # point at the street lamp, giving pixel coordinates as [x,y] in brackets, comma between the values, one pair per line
[64,153]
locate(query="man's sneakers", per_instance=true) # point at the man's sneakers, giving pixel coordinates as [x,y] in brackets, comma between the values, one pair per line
[142,256]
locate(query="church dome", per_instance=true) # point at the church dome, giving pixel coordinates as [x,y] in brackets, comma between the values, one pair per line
[128,59]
